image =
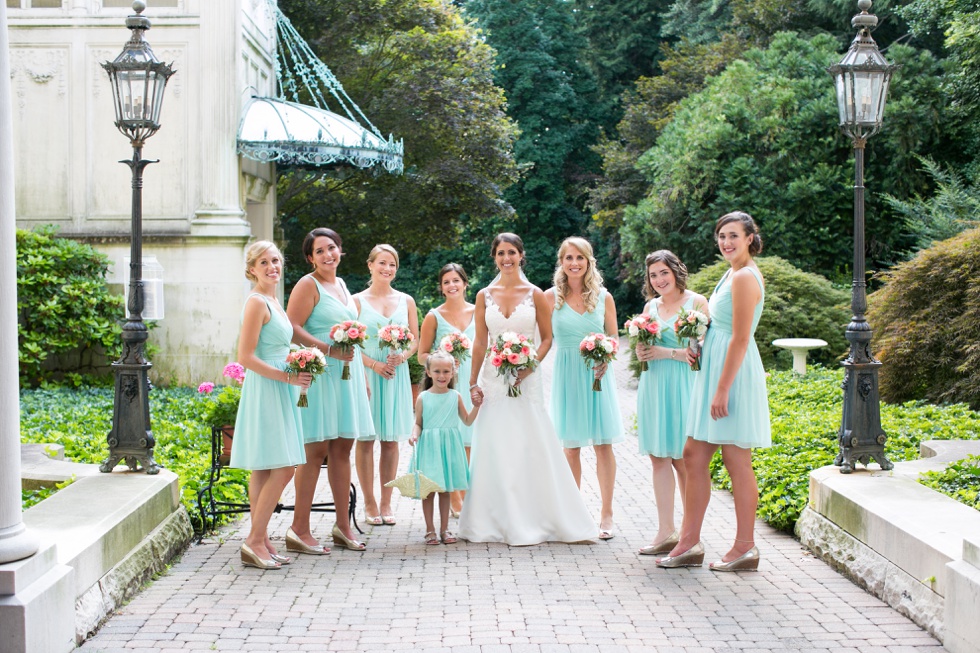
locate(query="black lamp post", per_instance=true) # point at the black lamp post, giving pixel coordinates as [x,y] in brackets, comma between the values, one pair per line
[862,78]
[138,79]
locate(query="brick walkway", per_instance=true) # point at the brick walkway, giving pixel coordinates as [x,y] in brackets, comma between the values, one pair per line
[401,595]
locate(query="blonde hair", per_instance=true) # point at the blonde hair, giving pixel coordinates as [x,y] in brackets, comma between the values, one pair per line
[438,355]
[376,252]
[592,283]
[252,254]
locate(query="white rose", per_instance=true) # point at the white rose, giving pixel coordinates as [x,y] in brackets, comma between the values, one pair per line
[341,336]
[608,346]
[634,330]
[522,359]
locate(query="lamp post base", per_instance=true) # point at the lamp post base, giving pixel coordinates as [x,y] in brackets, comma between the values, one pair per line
[131,438]
[861,437]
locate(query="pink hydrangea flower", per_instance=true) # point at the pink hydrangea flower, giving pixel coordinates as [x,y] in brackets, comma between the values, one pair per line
[206,388]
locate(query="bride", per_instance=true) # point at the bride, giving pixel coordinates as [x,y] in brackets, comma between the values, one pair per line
[521,489]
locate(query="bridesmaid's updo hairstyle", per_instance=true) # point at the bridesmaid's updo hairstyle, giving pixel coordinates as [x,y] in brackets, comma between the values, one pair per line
[510,239]
[748,225]
[252,254]
[451,267]
[673,263]
[313,235]
[592,282]
[437,355]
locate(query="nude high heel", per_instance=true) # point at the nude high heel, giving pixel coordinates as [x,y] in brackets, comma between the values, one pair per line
[748,561]
[296,545]
[250,559]
[665,545]
[693,557]
[340,539]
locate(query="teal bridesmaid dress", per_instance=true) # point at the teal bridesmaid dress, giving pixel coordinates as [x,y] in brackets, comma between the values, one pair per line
[338,408]
[443,329]
[391,399]
[439,452]
[582,416]
[747,424]
[268,433]
[664,395]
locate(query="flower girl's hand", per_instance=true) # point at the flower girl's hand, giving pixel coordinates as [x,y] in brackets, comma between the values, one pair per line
[412,440]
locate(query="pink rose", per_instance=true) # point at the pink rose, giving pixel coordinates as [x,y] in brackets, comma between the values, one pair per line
[448,346]
[590,345]
[497,361]
[514,359]
[525,350]
[352,332]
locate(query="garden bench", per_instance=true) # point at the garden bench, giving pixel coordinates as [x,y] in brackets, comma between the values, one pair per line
[211,508]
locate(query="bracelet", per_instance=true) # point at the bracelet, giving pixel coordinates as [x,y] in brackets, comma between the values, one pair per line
[672,352]
[328,351]
[474,385]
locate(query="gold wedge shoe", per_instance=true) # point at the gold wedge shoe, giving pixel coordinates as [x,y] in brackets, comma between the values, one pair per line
[748,561]
[339,539]
[665,545]
[296,545]
[693,557]
[250,559]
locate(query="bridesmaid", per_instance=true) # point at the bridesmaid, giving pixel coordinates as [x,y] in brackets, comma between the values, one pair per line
[665,390]
[583,417]
[729,405]
[338,411]
[268,434]
[388,380]
[455,315]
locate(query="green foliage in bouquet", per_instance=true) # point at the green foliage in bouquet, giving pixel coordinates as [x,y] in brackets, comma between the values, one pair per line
[63,306]
[798,305]
[926,321]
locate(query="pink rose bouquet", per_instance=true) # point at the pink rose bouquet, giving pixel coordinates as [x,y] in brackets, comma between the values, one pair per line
[395,337]
[347,335]
[511,353]
[692,325]
[305,359]
[598,349]
[642,328]
[458,346]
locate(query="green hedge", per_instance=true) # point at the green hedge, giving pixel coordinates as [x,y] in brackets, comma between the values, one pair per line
[961,481]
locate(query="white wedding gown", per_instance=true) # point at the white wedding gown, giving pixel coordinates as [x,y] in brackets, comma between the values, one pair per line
[522,491]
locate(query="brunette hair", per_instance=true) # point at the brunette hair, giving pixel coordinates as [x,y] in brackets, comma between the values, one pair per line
[748,225]
[451,267]
[437,355]
[592,283]
[313,235]
[510,239]
[252,254]
[669,259]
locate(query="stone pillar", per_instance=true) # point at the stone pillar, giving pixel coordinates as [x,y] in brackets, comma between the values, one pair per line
[221,212]
[15,542]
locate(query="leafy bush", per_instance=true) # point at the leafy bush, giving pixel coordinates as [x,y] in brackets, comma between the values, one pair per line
[63,306]
[798,305]
[927,324]
[961,481]
[806,414]
[80,420]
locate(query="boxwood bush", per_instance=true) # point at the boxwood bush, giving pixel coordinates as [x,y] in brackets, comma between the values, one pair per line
[798,305]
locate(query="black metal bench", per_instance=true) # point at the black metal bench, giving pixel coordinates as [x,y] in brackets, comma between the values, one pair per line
[211,508]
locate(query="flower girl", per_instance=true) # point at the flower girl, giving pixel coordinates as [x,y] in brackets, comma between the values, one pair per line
[440,456]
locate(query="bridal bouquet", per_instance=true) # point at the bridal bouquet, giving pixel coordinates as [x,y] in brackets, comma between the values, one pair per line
[305,359]
[510,353]
[458,346]
[598,349]
[347,335]
[642,328]
[395,337]
[692,325]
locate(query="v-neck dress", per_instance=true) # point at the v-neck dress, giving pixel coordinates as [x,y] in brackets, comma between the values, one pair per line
[391,399]
[664,395]
[747,424]
[338,408]
[268,433]
[583,417]
[443,329]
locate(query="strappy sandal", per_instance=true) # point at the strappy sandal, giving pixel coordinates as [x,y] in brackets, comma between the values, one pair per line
[448,538]
[431,539]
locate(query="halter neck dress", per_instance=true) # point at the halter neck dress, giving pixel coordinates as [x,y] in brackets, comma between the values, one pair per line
[443,329]
[268,432]
[391,399]
[338,408]
[747,424]
[582,416]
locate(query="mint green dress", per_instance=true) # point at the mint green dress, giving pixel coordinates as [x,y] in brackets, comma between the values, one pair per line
[439,452]
[443,329]
[268,433]
[391,399]
[338,408]
[747,424]
[664,395]
[582,416]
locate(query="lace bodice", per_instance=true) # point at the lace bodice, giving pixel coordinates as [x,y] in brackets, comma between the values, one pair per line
[524,320]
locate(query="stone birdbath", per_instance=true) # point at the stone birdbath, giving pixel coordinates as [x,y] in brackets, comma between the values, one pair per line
[799,347]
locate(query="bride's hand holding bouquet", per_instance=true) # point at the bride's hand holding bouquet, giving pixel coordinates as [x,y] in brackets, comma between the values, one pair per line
[512,354]
[347,335]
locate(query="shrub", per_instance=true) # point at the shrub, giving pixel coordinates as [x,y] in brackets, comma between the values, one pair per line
[927,324]
[961,481]
[63,306]
[798,305]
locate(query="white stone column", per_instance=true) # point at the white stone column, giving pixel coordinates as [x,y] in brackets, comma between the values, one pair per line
[221,212]
[16,543]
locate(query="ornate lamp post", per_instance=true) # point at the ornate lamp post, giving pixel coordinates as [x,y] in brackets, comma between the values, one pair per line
[862,78]
[138,79]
